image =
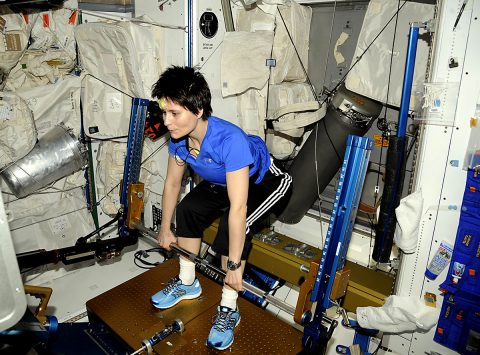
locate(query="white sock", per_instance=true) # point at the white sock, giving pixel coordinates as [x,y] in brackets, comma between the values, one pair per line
[187,271]
[229,298]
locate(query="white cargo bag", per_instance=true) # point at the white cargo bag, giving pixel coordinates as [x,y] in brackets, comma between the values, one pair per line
[67,193]
[54,29]
[254,19]
[126,55]
[121,60]
[292,20]
[243,63]
[372,74]
[297,20]
[14,34]
[149,47]
[51,220]
[291,108]
[251,108]
[111,160]
[39,67]
[55,104]
[17,128]
[106,111]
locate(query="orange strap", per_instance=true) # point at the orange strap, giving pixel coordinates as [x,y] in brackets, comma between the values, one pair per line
[72,18]
[46,20]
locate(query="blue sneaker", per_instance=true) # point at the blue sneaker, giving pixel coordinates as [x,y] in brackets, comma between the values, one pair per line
[176,292]
[221,335]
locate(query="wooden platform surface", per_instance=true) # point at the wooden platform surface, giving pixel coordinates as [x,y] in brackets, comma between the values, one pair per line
[126,310]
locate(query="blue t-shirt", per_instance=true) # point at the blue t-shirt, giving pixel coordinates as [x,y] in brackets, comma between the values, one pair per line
[225,148]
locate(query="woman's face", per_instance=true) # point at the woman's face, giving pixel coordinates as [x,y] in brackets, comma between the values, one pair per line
[178,120]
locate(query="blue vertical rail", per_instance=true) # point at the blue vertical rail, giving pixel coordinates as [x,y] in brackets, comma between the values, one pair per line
[396,161]
[133,156]
[345,207]
[347,199]
[408,80]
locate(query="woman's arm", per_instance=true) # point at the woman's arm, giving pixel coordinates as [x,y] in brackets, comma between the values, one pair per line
[171,190]
[237,188]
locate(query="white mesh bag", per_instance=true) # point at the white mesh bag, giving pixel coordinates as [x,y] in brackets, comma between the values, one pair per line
[17,129]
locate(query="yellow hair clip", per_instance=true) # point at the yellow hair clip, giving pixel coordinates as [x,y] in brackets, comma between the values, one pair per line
[162,104]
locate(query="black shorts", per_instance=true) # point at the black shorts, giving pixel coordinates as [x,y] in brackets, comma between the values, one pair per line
[207,201]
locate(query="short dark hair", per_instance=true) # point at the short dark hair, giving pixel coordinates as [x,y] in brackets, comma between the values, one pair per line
[185,86]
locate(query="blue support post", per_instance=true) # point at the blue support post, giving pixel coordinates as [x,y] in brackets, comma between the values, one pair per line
[133,156]
[408,80]
[347,198]
[396,161]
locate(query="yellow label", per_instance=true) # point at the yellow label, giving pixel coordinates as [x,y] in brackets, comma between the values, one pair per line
[380,140]
[466,239]
[13,42]
[473,122]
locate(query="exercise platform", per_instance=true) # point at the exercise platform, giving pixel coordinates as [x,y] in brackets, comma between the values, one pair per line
[126,312]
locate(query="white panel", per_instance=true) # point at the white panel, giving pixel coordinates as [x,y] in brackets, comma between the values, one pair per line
[13,298]
[439,173]
[396,343]
[172,14]
[207,54]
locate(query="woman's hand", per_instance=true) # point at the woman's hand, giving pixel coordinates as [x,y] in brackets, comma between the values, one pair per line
[234,279]
[165,238]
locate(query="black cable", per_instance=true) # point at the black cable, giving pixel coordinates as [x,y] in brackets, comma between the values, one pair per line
[378,347]
[92,139]
[141,255]
[113,87]
[97,231]
[372,227]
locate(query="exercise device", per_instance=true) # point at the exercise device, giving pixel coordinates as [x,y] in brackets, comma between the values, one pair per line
[331,280]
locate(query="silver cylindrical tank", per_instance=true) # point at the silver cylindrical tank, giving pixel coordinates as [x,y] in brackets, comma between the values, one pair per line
[57,154]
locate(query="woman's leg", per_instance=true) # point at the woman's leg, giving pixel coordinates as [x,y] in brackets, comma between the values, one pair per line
[195,213]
